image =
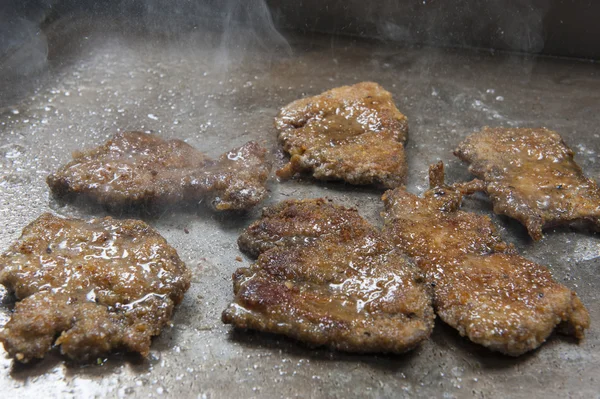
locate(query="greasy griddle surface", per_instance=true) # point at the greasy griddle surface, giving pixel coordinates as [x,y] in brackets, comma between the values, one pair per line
[215,99]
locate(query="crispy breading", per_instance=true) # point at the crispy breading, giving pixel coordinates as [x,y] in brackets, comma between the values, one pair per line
[138,169]
[530,175]
[351,133]
[295,222]
[481,285]
[329,279]
[89,286]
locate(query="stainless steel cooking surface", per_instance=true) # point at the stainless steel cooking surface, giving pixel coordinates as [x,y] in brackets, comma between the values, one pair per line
[101,78]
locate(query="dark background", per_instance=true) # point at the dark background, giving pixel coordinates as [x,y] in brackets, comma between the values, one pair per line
[553,27]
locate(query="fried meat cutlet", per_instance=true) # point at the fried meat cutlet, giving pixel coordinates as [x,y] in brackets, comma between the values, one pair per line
[293,222]
[329,279]
[351,133]
[139,169]
[89,287]
[481,285]
[530,175]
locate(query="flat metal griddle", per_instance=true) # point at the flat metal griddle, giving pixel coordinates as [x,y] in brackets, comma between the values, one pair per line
[102,79]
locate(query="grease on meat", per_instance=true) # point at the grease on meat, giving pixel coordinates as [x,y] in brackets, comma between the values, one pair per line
[139,169]
[351,133]
[89,287]
[530,175]
[482,287]
[329,279]
[294,222]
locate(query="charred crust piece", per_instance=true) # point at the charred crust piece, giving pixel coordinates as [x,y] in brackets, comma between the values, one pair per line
[351,133]
[482,287]
[329,279]
[143,170]
[530,175]
[89,287]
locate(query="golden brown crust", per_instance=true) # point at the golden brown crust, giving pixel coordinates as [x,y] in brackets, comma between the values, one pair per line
[531,176]
[351,133]
[97,285]
[330,279]
[482,287]
[138,169]
[295,222]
